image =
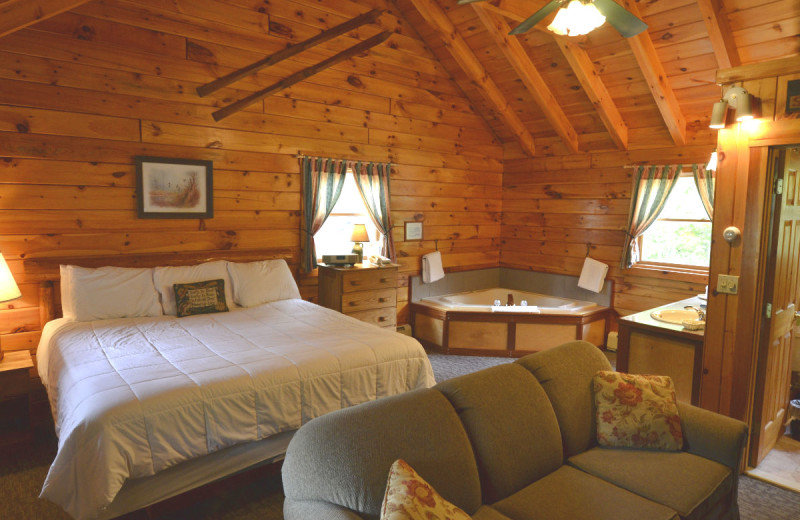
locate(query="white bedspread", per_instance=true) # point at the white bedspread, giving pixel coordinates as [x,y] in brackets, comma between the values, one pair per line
[134,396]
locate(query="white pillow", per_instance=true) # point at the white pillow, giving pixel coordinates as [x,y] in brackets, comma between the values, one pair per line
[166,277]
[107,292]
[260,282]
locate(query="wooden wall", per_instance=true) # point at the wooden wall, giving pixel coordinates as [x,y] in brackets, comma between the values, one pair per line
[558,209]
[84,92]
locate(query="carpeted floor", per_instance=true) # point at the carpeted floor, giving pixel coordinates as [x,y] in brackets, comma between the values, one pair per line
[22,475]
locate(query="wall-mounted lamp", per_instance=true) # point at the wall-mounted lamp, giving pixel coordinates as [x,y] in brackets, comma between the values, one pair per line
[736,98]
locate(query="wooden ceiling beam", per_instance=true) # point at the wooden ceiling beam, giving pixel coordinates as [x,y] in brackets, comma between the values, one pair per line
[581,65]
[514,52]
[18,14]
[645,53]
[719,32]
[594,87]
[472,67]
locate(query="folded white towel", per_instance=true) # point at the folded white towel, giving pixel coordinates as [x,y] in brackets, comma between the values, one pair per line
[593,275]
[432,267]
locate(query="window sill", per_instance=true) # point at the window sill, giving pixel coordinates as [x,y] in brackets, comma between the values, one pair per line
[673,272]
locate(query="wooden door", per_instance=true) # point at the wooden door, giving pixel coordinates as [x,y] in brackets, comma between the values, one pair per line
[781,294]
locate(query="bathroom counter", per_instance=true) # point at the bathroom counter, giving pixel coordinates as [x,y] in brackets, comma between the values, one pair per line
[649,346]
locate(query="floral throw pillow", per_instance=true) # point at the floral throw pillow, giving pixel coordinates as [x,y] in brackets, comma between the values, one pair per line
[200,297]
[409,497]
[636,411]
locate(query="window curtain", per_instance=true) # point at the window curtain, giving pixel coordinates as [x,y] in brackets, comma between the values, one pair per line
[704,180]
[651,188]
[323,180]
[372,180]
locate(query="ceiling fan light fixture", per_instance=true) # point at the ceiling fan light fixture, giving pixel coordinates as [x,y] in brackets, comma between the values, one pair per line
[576,19]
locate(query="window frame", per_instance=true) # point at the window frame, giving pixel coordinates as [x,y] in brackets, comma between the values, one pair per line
[692,273]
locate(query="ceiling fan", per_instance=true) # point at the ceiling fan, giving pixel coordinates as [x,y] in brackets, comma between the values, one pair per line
[620,18]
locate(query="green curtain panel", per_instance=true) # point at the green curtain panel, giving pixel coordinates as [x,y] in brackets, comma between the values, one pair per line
[652,186]
[323,180]
[373,183]
[704,180]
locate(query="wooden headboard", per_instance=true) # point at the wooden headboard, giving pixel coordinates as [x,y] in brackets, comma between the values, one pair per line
[46,269]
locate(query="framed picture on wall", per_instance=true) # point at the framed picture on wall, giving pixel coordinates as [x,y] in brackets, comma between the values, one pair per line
[413,231]
[793,96]
[174,188]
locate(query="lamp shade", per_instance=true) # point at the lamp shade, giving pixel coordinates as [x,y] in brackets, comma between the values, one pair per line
[718,114]
[359,233]
[743,110]
[8,287]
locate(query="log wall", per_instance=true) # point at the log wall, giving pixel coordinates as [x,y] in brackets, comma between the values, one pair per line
[84,92]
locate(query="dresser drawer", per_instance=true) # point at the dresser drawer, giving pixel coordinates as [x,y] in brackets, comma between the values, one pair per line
[360,301]
[383,317]
[370,279]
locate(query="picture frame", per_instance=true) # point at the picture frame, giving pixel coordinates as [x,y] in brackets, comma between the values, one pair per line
[793,96]
[413,231]
[174,188]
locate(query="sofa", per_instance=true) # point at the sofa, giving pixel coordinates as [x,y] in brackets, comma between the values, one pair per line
[516,441]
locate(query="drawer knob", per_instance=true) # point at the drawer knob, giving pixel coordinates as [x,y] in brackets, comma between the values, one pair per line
[382,318]
[381,300]
[351,303]
[384,280]
[354,282]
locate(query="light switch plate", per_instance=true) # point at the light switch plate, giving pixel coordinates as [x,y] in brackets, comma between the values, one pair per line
[727,284]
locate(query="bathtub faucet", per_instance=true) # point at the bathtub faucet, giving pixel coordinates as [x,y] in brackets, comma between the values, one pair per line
[701,314]
[510,300]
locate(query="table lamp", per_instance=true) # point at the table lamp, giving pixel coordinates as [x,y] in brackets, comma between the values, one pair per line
[359,235]
[8,287]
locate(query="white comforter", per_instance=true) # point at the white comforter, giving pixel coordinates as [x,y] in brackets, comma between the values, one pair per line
[134,396]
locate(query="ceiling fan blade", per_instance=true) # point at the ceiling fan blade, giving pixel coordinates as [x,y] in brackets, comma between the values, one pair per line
[537,17]
[465,2]
[620,18]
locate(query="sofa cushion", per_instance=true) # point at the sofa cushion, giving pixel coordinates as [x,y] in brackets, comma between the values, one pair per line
[565,372]
[489,513]
[511,425]
[409,497]
[570,494]
[689,484]
[343,457]
[636,411]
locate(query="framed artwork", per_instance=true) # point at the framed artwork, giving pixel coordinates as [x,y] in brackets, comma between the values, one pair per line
[174,188]
[413,231]
[793,96]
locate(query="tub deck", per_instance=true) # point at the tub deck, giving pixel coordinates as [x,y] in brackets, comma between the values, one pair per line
[480,332]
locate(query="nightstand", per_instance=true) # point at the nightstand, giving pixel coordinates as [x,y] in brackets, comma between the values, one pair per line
[15,399]
[365,292]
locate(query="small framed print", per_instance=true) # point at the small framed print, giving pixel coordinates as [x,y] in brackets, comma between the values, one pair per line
[793,96]
[413,231]
[174,188]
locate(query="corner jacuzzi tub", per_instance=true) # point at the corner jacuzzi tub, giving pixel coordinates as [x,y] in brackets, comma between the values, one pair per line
[471,323]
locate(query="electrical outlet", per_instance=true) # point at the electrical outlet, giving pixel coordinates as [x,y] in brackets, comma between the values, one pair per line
[727,284]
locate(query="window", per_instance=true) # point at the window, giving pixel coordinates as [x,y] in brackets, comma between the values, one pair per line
[682,234]
[333,238]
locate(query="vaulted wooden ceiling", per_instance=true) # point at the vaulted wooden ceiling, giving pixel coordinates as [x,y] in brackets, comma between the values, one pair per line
[602,91]
[543,94]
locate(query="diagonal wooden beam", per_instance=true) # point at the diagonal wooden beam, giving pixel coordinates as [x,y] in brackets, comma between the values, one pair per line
[645,53]
[581,65]
[514,52]
[290,51]
[301,75]
[719,32]
[598,94]
[18,14]
[472,67]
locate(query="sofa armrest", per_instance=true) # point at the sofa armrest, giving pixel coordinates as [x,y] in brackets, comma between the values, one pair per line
[305,509]
[713,436]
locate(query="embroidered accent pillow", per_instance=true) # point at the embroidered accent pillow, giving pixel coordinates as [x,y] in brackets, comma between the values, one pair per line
[200,297]
[636,411]
[409,497]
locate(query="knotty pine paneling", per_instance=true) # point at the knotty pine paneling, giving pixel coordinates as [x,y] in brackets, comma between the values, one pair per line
[557,210]
[84,92]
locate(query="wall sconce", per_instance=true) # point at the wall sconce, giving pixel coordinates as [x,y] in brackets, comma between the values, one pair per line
[712,162]
[736,98]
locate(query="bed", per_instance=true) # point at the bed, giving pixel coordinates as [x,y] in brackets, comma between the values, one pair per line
[150,406]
